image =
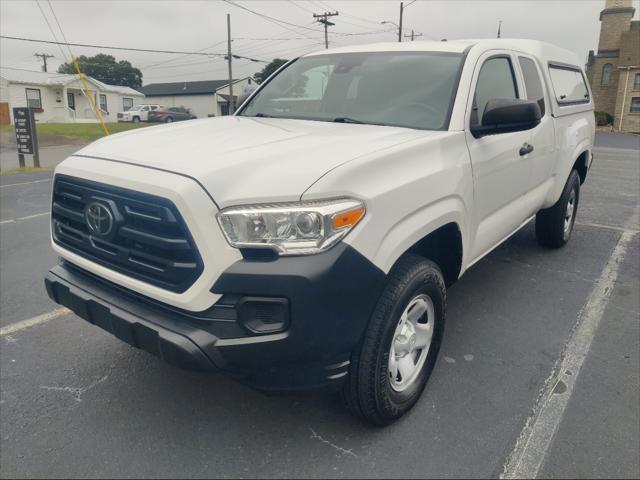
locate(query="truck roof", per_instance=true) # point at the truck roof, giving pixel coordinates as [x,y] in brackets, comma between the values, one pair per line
[545,52]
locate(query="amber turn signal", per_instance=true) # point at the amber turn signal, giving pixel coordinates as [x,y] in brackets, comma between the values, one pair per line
[348,219]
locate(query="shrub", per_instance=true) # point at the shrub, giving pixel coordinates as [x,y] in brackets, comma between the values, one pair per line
[603,118]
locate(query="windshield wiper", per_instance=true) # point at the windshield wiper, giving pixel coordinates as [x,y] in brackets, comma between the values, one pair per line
[263,115]
[347,120]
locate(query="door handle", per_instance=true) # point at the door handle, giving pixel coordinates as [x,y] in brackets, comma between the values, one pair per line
[526,149]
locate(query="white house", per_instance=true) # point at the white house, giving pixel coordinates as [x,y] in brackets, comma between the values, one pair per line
[60,98]
[204,98]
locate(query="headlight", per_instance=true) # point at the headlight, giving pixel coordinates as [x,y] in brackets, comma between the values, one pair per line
[291,228]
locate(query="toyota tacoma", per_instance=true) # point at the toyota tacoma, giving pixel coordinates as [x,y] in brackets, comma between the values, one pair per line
[308,240]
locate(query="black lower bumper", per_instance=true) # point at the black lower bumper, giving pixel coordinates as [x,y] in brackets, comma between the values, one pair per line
[330,303]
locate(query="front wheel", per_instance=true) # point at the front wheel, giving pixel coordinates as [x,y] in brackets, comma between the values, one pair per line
[390,369]
[555,224]
[136,120]
[169,120]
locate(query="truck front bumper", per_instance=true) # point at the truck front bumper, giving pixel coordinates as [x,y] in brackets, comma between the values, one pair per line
[322,306]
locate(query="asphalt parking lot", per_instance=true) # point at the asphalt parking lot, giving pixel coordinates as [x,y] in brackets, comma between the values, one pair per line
[75,401]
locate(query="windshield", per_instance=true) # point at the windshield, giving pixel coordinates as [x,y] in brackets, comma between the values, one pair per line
[406,89]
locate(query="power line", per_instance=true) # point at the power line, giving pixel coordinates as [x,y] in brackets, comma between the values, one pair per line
[130,49]
[300,6]
[53,33]
[185,55]
[271,38]
[278,21]
[272,19]
[59,27]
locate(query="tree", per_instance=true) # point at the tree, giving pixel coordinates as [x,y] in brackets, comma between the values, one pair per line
[263,74]
[106,69]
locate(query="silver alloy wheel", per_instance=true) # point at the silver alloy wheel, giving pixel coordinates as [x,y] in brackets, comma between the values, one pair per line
[411,342]
[569,214]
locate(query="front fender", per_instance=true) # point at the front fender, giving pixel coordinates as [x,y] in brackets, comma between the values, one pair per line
[410,191]
[418,224]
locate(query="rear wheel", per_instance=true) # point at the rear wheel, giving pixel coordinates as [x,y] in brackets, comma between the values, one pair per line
[555,224]
[390,369]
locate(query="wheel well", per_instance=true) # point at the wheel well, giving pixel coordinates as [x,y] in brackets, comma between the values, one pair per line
[581,166]
[444,247]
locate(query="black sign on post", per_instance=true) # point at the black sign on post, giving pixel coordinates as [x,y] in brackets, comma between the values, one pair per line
[26,138]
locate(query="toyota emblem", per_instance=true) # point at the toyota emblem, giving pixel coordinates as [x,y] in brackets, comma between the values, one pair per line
[99,219]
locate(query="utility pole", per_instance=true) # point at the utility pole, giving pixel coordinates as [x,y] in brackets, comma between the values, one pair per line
[400,22]
[232,107]
[44,57]
[323,18]
[413,35]
[499,28]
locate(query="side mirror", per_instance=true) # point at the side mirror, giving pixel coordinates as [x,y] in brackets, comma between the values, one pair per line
[504,115]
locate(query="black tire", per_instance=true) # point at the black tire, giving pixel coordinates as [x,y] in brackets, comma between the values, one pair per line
[550,222]
[368,393]
[169,120]
[135,119]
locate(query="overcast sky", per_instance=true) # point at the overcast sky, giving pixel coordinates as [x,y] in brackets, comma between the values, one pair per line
[201,25]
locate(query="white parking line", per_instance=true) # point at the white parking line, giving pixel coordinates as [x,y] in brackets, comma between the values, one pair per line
[608,227]
[14,220]
[32,322]
[537,435]
[25,183]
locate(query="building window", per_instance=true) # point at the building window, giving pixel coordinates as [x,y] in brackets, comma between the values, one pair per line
[103,102]
[606,74]
[71,100]
[127,104]
[33,98]
[635,105]
[636,82]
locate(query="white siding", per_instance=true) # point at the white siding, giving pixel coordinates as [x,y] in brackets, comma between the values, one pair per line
[4,90]
[203,105]
[53,105]
[54,102]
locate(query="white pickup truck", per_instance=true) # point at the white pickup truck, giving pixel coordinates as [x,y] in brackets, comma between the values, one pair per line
[137,114]
[308,240]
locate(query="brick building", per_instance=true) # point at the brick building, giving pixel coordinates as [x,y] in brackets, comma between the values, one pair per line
[614,72]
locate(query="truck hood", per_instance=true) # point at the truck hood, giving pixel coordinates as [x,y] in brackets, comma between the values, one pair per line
[242,160]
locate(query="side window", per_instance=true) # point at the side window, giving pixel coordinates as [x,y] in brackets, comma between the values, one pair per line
[145,109]
[606,74]
[532,82]
[496,80]
[569,85]
[103,102]
[33,98]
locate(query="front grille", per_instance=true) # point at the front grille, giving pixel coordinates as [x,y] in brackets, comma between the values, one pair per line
[148,239]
